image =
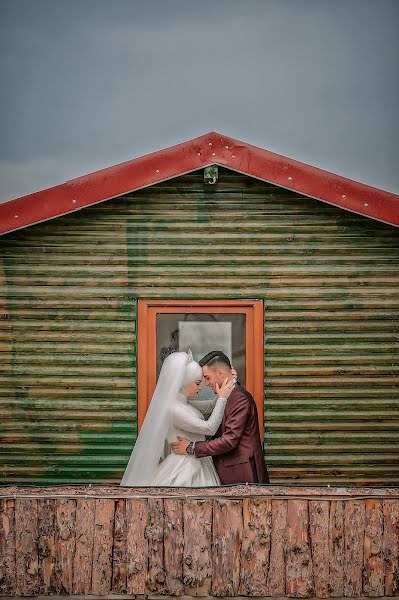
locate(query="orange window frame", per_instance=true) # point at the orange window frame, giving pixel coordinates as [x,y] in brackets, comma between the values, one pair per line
[146,344]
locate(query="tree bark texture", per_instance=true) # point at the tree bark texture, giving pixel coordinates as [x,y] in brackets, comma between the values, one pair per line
[207,547]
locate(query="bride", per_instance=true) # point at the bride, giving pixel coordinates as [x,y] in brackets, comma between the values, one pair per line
[169,415]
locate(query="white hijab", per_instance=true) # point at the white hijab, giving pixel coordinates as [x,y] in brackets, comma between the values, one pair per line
[178,370]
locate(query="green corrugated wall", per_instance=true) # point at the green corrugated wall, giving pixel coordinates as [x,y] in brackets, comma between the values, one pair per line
[329,280]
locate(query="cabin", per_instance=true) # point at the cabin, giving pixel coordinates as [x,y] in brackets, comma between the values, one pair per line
[213,243]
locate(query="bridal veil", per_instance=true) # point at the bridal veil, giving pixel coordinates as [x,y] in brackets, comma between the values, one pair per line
[178,370]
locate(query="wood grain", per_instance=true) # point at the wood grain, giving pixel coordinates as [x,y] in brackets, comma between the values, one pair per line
[154,534]
[226,541]
[353,547]
[276,576]
[220,547]
[119,573]
[299,568]
[26,547]
[197,554]
[373,566]
[101,576]
[65,514]
[83,558]
[319,535]
[390,547]
[46,545]
[137,546]
[255,549]
[336,549]
[8,580]
[173,546]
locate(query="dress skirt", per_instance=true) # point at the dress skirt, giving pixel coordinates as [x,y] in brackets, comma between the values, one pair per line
[186,471]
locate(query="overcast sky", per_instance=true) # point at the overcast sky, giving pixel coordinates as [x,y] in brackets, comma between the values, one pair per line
[86,84]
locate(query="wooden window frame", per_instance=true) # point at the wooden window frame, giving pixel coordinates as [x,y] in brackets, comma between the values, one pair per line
[146,344]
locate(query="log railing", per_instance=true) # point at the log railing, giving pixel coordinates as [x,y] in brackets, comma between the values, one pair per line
[233,541]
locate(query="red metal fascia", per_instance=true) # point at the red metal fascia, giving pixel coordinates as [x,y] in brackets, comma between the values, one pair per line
[310,181]
[208,149]
[100,185]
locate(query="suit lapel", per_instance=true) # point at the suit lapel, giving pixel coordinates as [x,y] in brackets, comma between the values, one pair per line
[229,403]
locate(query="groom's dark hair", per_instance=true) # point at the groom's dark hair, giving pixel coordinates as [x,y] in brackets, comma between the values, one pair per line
[214,359]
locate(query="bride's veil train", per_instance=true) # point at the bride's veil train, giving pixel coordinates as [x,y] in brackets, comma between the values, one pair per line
[149,447]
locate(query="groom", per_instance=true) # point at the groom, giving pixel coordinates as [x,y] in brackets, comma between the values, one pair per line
[236,449]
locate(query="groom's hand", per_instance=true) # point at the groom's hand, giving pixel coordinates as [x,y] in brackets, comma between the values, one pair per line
[180,446]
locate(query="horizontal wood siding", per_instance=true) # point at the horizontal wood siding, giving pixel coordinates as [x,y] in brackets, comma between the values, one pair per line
[329,280]
[68,379]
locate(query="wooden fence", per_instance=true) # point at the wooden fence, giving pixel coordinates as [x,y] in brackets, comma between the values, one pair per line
[221,542]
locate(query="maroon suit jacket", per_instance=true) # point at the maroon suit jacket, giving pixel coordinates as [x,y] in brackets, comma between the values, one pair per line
[237,450]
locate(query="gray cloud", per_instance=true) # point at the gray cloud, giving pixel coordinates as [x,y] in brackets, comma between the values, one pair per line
[90,83]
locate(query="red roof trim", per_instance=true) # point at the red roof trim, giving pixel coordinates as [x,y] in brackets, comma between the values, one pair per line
[211,148]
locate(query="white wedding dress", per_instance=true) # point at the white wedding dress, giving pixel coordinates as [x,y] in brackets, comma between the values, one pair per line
[189,422]
[169,415]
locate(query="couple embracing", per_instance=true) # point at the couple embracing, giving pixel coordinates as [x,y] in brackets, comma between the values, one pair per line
[172,449]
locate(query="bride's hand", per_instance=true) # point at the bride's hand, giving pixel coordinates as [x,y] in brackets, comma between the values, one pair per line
[225,389]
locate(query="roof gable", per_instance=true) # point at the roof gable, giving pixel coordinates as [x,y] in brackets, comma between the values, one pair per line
[211,148]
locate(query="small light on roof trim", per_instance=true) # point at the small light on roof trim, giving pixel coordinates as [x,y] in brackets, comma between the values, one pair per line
[198,153]
[73,201]
[365,204]
[343,196]
[213,153]
[157,171]
[15,216]
[226,147]
[289,178]
[233,156]
[210,144]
